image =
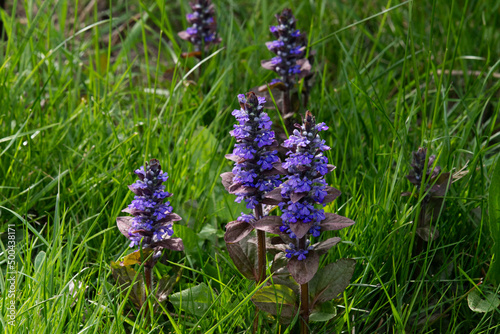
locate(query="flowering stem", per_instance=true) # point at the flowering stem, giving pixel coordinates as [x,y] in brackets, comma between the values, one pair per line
[304,297]
[261,255]
[304,305]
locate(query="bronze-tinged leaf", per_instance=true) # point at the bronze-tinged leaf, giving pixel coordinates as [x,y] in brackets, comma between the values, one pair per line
[270,224]
[127,278]
[406,194]
[236,230]
[303,271]
[124,224]
[175,244]
[323,246]
[196,54]
[300,229]
[135,257]
[241,260]
[333,222]
[278,300]
[332,194]
[273,197]
[227,179]
[331,280]
[295,197]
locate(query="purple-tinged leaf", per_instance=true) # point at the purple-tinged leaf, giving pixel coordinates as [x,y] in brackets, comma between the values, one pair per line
[279,264]
[132,211]
[279,167]
[300,229]
[303,168]
[242,261]
[184,35]
[166,285]
[442,184]
[331,280]
[241,189]
[333,222]
[124,224]
[323,246]
[227,179]
[270,224]
[173,217]
[273,197]
[233,157]
[236,230]
[303,271]
[428,233]
[295,197]
[332,194]
[268,65]
[172,244]
[330,167]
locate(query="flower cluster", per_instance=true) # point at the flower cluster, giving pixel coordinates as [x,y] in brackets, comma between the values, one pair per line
[254,173]
[153,218]
[305,184]
[203,29]
[418,165]
[289,48]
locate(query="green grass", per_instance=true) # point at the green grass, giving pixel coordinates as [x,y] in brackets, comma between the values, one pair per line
[85,98]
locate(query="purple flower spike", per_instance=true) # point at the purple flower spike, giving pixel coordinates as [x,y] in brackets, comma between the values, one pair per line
[305,184]
[254,173]
[289,48]
[203,29]
[153,219]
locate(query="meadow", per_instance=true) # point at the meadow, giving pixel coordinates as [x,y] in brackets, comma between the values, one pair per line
[91,90]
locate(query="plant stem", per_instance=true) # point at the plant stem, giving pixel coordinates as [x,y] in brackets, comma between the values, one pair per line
[261,256]
[304,298]
[304,308]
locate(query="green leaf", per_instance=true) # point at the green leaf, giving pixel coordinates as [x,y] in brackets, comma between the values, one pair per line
[480,305]
[278,300]
[195,300]
[323,312]
[39,259]
[331,280]
[494,213]
[129,280]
